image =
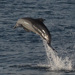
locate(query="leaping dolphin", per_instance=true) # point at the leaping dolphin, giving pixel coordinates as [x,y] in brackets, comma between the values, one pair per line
[35,25]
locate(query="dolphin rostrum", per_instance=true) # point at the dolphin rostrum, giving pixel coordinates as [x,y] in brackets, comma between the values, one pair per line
[35,25]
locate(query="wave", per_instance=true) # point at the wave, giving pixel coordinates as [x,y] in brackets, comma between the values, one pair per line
[41,67]
[56,62]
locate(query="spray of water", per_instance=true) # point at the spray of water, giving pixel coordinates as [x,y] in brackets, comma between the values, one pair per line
[56,62]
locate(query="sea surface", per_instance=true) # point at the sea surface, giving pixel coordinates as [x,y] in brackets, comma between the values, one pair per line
[23,53]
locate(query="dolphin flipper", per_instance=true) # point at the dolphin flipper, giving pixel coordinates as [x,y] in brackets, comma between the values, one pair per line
[26,29]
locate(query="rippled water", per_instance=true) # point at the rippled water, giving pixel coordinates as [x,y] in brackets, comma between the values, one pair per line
[21,51]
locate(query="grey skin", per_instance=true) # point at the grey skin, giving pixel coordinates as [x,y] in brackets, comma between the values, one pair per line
[35,25]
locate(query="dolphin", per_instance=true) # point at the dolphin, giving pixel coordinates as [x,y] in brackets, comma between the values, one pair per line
[35,25]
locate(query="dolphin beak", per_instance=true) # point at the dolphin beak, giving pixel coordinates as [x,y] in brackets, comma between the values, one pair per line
[14,27]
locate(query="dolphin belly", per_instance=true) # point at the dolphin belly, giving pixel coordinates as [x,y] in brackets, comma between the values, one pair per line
[29,26]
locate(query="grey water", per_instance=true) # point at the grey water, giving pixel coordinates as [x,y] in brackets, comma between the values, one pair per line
[23,53]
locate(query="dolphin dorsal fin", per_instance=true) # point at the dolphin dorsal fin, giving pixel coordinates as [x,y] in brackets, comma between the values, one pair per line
[41,19]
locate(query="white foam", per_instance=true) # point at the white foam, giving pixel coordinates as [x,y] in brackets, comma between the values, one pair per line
[56,62]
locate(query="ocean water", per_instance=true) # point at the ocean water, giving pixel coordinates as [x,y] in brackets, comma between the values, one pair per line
[23,53]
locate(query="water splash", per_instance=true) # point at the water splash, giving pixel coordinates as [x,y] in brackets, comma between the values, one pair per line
[56,62]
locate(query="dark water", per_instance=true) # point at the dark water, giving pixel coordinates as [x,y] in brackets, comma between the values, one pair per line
[20,51]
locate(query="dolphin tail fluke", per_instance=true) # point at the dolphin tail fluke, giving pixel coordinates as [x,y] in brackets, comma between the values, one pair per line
[51,47]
